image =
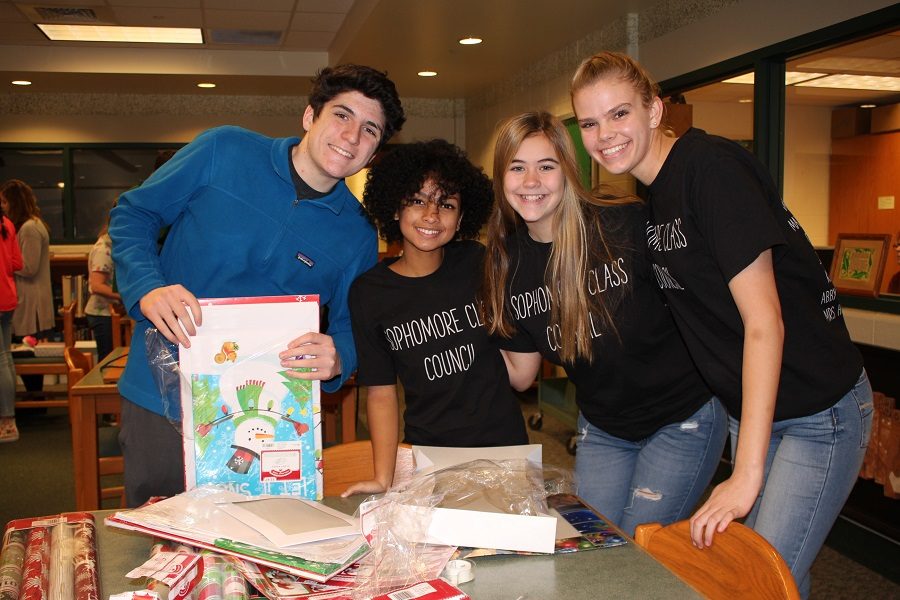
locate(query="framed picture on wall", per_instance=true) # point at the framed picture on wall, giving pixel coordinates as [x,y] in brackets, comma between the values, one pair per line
[858,263]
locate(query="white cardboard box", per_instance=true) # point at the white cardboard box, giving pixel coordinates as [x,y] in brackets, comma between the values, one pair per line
[475,522]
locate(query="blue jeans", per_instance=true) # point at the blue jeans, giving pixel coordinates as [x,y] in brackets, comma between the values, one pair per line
[657,479]
[7,368]
[811,467]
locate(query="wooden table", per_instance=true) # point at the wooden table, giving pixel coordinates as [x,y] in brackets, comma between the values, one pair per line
[96,394]
[622,572]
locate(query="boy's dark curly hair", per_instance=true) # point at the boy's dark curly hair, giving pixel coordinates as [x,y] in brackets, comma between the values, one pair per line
[402,171]
[371,83]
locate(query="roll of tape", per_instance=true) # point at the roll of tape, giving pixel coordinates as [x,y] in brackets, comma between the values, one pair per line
[459,571]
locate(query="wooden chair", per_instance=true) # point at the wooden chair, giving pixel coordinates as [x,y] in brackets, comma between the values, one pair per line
[79,364]
[345,464]
[49,365]
[122,326]
[340,406]
[739,564]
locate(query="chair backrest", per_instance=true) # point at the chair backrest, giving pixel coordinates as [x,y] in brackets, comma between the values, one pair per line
[78,364]
[121,326]
[739,564]
[345,464]
[68,319]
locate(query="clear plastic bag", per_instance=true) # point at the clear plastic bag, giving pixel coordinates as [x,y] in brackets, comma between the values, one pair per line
[516,487]
[162,355]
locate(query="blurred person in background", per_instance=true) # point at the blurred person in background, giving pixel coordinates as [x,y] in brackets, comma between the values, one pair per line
[34,314]
[10,262]
[101,273]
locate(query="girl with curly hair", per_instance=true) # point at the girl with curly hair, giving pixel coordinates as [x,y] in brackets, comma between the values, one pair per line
[568,280]
[416,317]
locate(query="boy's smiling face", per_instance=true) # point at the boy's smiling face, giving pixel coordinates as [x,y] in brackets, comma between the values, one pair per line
[340,141]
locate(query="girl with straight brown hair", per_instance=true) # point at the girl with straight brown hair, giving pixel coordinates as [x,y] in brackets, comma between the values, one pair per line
[567,279]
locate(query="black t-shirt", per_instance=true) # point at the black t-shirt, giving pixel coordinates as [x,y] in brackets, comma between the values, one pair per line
[426,331]
[641,377]
[714,210]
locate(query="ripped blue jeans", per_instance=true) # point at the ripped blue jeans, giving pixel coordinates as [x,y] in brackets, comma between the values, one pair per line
[659,478]
[811,466]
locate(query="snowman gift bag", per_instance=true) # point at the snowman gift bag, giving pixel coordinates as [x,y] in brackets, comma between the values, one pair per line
[248,425]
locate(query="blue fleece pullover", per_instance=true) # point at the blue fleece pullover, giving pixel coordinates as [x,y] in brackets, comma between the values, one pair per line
[237,229]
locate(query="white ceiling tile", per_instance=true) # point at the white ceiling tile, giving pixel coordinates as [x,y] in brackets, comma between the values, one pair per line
[158,17]
[308,40]
[324,6]
[273,5]
[8,12]
[158,3]
[21,32]
[316,22]
[75,3]
[243,19]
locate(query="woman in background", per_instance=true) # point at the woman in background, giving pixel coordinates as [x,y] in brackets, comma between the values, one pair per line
[568,279]
[34,314]
[415,318]
[756,309]
[10,261]
[100,279]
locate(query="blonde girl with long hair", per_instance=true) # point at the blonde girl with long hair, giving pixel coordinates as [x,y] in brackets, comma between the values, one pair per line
[567,279]
[756,309]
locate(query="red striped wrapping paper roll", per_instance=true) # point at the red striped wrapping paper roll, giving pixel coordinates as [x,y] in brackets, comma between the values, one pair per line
[36,570]
[87,584]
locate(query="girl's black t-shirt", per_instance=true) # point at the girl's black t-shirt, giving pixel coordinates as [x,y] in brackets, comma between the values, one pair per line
[714,210]
[427,332]
[642,376]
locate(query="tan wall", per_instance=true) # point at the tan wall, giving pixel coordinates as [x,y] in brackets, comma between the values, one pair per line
[173,128]
[863,168]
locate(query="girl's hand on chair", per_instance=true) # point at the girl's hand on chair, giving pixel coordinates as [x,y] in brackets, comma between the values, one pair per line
[730,500]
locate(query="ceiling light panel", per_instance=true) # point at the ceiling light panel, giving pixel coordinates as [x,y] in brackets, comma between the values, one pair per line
[846,64]
[855,82]
[745,78]
[105,33]
[794,77]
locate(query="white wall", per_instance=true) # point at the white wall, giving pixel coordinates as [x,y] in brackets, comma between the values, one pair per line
[807,154]
[183,128]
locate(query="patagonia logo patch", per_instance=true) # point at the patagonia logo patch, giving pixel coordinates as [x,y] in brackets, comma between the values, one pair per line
[305,260]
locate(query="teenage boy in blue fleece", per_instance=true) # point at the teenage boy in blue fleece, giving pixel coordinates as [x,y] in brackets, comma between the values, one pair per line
[249,216]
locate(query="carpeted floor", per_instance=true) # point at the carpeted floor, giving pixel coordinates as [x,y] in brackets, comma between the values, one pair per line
[37,480]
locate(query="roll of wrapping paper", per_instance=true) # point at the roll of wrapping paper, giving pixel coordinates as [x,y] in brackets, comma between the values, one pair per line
[233,587]
[210,586]
[12,557]
[87,584]
[62,562]
[36,570]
